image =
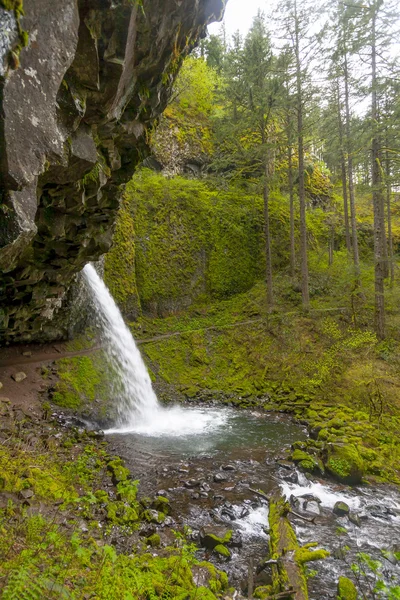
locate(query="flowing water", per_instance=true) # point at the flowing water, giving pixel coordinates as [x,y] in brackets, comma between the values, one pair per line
[208,461]
[137,407]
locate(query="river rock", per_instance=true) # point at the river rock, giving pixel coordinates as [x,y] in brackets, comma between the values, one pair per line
[228,512]
[18,377]
[341,509]
[211,537]
[220,477]
[354,518]
[191,483]
[205,486]
[228,468]
[26,494]
[291,477]
[312,507]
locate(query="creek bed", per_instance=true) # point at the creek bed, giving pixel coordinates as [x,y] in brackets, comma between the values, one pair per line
[206,460]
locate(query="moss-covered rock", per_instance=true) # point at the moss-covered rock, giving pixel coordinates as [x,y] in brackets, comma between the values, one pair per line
[346,590]
[153,540]
[118,471]
[345,463]
[222,551]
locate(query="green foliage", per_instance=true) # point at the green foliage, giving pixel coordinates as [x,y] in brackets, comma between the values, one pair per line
[369,578]
[56,566]
[119,268]
[185,127]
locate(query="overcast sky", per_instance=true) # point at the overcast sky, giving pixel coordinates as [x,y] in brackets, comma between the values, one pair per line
[239,15]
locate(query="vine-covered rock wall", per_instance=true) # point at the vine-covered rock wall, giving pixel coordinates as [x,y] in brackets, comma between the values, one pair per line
[80,84]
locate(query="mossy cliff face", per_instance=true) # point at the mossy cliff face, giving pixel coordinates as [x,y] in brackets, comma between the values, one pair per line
[180,240]
[76,106]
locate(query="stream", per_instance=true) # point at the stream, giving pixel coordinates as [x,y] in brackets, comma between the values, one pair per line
[208,461]
[208,468]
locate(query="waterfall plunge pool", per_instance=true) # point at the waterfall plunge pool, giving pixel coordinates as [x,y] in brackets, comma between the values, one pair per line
[207,460]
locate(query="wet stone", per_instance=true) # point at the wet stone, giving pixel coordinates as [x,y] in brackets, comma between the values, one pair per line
[220,477]
[341,509]
[191,483]
[18,377]
[355,519]
[228,468]
[26,494]
[290,477]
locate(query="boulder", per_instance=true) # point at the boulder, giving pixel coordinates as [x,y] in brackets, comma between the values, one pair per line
[344,463]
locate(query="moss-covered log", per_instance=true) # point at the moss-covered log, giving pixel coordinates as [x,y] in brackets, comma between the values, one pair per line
[288,573]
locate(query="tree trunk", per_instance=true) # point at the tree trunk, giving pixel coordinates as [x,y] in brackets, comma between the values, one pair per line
[267,232]
[283,546]
[331,245]
[302,193]
[354,239]
[291,203]
[344,175]
[389,217]
[378,200]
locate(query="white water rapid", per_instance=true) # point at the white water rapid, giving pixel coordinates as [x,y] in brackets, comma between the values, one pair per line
[137,406]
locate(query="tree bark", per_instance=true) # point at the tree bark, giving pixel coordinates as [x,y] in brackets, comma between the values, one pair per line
[354,239]
[291,204]
[377,198]
[267,231]
[389,218]
[344,175]
[302,194]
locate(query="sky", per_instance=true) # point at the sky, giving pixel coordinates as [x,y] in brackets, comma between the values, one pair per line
[239,15]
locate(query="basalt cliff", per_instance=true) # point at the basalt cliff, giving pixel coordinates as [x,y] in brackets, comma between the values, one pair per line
[82,83]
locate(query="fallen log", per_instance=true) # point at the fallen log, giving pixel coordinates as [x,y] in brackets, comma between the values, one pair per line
[288,573]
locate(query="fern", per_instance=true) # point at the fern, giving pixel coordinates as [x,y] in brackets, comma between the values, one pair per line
[23,585]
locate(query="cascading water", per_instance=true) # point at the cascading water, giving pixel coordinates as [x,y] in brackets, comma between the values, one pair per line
[137,406]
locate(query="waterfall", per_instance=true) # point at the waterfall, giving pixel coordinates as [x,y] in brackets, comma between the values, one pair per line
[138,410]
[136,400]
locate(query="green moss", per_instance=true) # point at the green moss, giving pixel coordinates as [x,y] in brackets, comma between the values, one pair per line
[45,477]
[120,513]
[154,540]
[15,5]
[345,463]
[346,589]
[263,591]
[82,380]
[119,472]
[181,239]
[119,267]
[305,555]
[222,550]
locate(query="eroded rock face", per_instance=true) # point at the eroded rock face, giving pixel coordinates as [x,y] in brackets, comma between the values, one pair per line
[75,116]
